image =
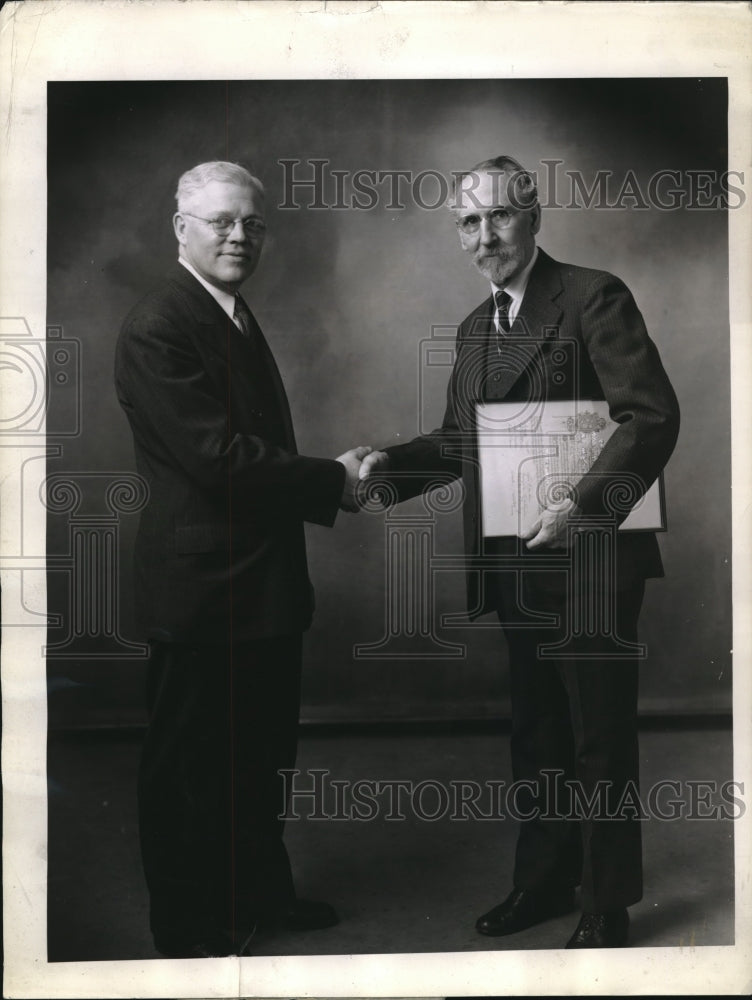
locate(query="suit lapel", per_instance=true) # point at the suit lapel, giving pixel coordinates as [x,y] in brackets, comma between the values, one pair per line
[470,373]
[274,384]
[217,329]
[246,360]
[540,311]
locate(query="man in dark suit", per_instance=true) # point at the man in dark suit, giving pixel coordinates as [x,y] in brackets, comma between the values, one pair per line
[222,581]
[552,331]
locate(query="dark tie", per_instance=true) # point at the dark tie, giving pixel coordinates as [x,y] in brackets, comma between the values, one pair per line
[243,316]
[503,302]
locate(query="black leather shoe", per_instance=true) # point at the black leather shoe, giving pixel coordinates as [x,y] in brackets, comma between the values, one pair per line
[601,930]
[524,908]
[302,915]
[214,945]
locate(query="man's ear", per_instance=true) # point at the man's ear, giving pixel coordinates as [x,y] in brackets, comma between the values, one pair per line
[178,224]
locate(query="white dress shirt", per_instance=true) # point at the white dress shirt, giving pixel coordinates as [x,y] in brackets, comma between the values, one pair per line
[225,299]
[515,290]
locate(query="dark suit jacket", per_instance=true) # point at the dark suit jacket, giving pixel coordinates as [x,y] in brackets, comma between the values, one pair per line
[220,551]
[578,335]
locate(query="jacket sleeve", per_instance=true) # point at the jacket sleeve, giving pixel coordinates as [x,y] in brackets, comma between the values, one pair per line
[421,464]
[641,399]
[179,415]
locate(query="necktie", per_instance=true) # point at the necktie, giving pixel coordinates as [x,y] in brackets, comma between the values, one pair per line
[503,302]
[243,316]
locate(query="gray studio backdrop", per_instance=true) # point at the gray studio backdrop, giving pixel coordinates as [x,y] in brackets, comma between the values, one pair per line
[349,298]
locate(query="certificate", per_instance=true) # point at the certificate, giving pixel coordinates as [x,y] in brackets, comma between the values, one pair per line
[530,453]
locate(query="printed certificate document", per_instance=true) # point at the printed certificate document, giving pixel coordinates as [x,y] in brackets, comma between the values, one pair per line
[529,453]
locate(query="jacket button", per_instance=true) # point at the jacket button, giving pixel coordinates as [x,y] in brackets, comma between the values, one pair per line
[496,377]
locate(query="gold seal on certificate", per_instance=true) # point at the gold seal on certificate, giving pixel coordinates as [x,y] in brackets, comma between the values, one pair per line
[530,454]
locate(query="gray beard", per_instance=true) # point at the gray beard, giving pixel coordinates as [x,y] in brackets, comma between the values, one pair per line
[496,268]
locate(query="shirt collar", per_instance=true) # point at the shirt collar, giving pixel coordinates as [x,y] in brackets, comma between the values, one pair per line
[516,287]
[225,299]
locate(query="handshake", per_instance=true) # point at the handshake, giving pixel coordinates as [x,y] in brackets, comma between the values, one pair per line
[550,530]
[359,463]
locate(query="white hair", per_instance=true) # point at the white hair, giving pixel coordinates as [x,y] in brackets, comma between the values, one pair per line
[215,170]
[520,184]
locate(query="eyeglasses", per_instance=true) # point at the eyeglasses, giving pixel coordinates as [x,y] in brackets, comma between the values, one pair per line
[499,218]
[223,226]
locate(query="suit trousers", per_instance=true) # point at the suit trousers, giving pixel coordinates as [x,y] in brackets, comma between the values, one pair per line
[223,721]
[574,742]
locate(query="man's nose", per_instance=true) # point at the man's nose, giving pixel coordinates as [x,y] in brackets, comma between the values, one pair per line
[237,234]
[486,233]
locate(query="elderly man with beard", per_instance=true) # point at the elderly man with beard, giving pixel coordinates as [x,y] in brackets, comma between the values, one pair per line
[574,718]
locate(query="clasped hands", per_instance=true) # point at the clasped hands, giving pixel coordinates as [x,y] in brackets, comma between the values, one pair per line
[359,463]
[549,531]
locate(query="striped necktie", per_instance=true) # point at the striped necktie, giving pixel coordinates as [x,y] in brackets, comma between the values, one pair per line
[243,316]
[503,302]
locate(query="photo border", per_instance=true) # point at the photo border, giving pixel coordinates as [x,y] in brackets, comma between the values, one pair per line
[44,40]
